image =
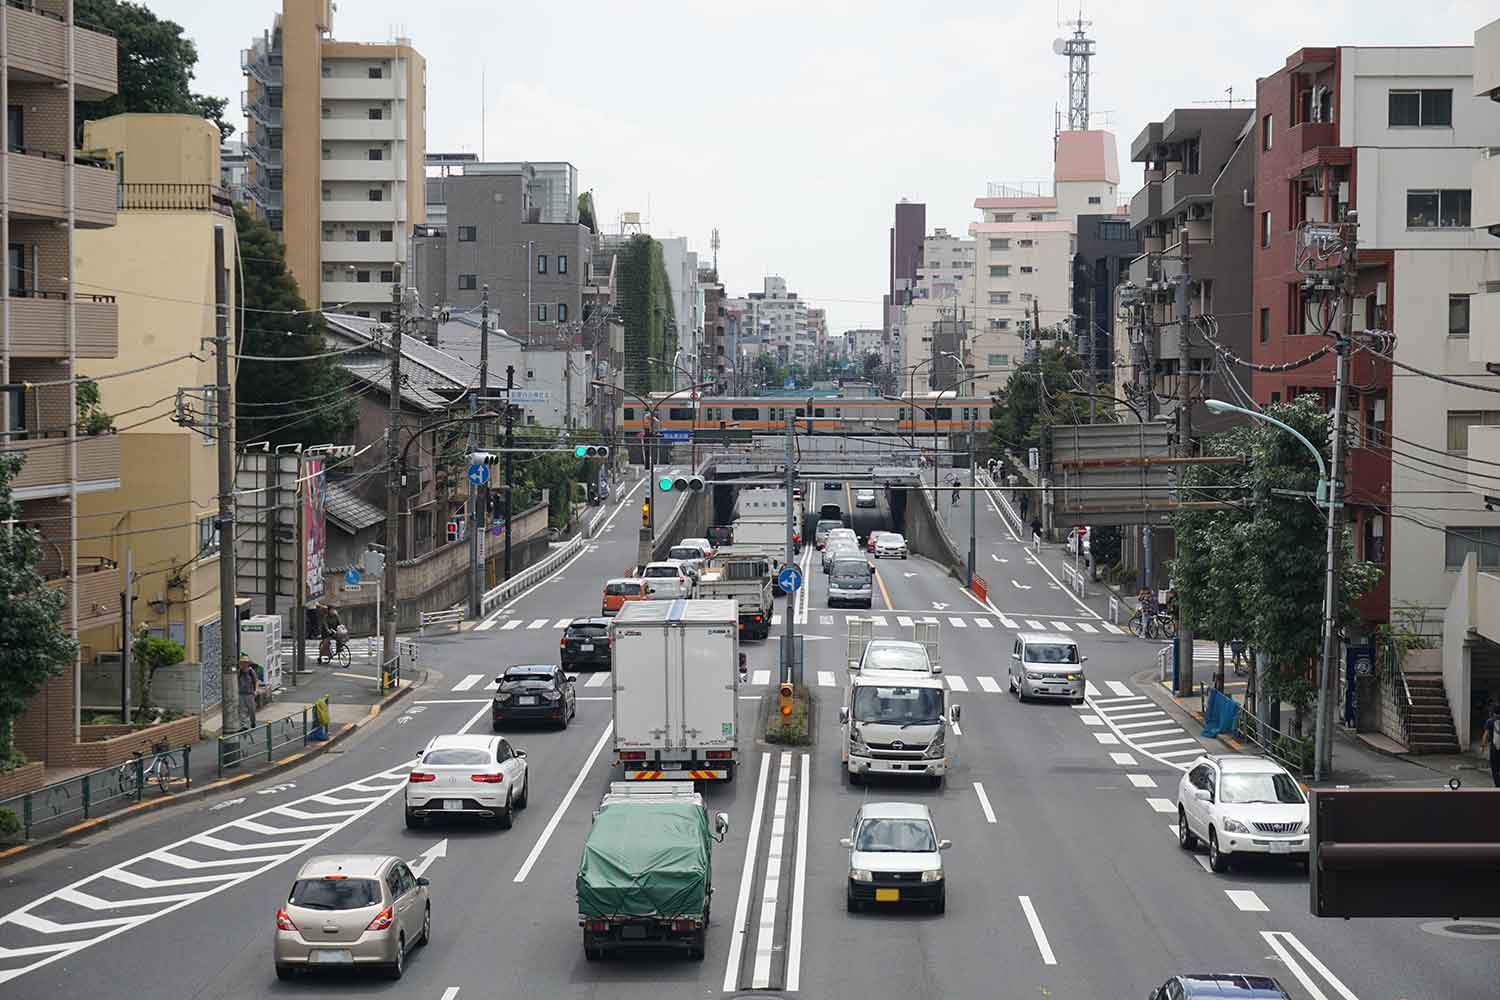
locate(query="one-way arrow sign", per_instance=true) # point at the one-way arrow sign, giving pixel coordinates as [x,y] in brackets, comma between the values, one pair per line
[420,865]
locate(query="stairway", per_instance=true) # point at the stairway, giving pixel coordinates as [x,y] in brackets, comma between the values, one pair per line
[1429,720]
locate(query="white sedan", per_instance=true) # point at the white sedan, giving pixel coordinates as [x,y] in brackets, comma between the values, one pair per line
[890,545]
[480,776]
[1241,805]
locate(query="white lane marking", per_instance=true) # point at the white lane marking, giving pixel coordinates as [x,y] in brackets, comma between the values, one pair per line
[957,622]
[1119,688]
[1037,932]
[1061,626]
[1036,561]
[1090,690]
[597,680]
[1195,752]
[600,697]
[747,875]
[562,623]
[451,993]
[760,677]
[984,802]
[799,884]
[1109,627]
[1123,759]
[1161,805]
[1019,585]
[1008,622]
[776,618]
[766,940]
[877,619]
[468,682]
[1033,623]
[486,625]
[1142,780]
[562,807]
[1150,734]
[1085,626]
[825,678]
[989,684]
[1164,743]
[1126,727]
[513,623]
[1091,720]
[956,683]
[903,621]
[1247,900]
[1118,717]
[1279,940]
[1107,739]
[1118,701]
[984,623]
[539,623]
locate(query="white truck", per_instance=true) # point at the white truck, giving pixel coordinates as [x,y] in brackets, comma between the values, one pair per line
[766,536]
[744,577]
[676,690]
[898,724]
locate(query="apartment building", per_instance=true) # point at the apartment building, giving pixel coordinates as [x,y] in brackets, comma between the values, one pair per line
[1106,245]
[681,265]
[908,229]
[817,327]
[54,329]
[161,521]
[716,358]
[778,318]
[336,135]
[859,343]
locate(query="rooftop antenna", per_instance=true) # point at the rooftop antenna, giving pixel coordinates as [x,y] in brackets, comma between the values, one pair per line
[1230,100]
[483,148]
[1079,49]
[713,242]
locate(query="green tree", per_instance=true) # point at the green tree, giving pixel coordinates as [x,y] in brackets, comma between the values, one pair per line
[34,645]
[155,67]
[586,211]
[150,653]
[1036,397]
[646,309]
[870,365]
[283,401]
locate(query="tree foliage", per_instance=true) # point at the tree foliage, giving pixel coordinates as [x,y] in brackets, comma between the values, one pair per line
[150,653]
[283,401]
[646,308]
[553,471]
[155,68]
[870,364]
[586,211]
[1035,398]
[34,644]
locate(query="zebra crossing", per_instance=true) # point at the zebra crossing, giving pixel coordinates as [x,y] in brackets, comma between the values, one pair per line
[1139,723]
[978,621]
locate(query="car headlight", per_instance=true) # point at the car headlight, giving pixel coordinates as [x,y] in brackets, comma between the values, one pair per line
[1235,826]
[860,875]
[856,741]
[1032,675]
[935,875]
[937,747]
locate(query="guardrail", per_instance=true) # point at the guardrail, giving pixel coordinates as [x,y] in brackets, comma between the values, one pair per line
[448,616]
[84,796]
[247,744]
[1292,752]
[526,578]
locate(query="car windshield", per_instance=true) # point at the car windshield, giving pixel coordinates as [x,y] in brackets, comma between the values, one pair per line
[1268,788]
[896,658]
[623,589]
[901,706]
[890,538]
[587,631]
[335,893]
[657,572]
[1051,652]
[886,836]
[458,755]
[683,552]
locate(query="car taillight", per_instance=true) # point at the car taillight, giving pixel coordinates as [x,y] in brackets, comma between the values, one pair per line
[597,925]
[563,643]
[684,925]
[757,617]
[284,922]
[719,754]
[382,921]
[417,776]
[488,779]
[632,755]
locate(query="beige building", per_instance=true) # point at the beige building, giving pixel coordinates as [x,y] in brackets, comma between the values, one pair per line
[160,522]
[337,138]
[55,329]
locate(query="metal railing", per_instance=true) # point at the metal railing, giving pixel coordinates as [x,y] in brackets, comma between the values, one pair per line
[249,744]
[1292,752]
[528,577]
[60,805]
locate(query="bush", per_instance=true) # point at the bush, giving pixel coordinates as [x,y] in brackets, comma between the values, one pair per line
[10,823]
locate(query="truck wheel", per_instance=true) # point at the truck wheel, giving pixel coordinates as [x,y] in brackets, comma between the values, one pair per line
[590,952]
[856,779]
[699,947]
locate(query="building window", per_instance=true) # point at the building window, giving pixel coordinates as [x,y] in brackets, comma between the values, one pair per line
[376,153]
[1026,243]
[1114,231]
[541,263]
[387,236]
[999,270]
[377,114]
[328,69]
[1094,199]
[1458,315]
[562,263]
[327,194]
[1375,539]
[999,360]
[1459,422]
[15,425]
[376,194]
[1265,229]
[1265,325]
[999,298]
[1266,125]
[363,314]
[467,234]
[1005,217]
[1483,542]
[999,244]
[541,314]
[361,236]
[1444,209]
[208,535]
[1421,109]
[376,73]
[362,277]
[388,277]
[386,316]
[562,312]
[468,282]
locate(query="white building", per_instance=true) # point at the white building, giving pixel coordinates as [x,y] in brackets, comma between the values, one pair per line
[777,319]
[858,343]
[687,302]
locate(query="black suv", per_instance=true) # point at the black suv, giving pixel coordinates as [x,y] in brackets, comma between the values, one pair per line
[585,644]
[535,692]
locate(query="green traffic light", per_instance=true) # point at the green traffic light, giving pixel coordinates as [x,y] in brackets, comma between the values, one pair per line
[580,452]
[664,484]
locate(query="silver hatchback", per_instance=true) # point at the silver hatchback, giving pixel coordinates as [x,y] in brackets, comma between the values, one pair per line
[348,910]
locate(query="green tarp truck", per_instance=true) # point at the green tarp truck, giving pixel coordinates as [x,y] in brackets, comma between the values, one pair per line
[646,875]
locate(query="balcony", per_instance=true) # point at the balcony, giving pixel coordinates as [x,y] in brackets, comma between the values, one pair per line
[259,108]
[98,595]
[1179,188]
[1311,136]
[364,170]
[262,63]
[355,210]
[1484,336]
[372,296]
[363,129]
[359,88]
[45,473]
[38,189]
[373,253]
[1486,184]
[39,326]
[172,197]
[1145,204]
[37,49]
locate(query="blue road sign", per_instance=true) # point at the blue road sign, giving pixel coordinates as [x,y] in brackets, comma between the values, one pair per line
[352,577]
[681,436]
[479,474]
[789,579]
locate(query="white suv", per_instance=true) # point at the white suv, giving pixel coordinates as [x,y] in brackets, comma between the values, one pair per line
[1241,805]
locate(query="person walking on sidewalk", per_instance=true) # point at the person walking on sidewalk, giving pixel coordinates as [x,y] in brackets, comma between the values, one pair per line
[249,685]
[1491,741]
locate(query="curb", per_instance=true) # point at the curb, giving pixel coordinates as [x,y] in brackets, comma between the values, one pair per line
[1148,683]
[199,793]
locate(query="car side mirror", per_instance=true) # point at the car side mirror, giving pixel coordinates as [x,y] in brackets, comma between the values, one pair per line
[955,712]
[721,824]
[1083,659]
[843,716]
[422,881]
[846,842]
[943,845]
[1203,795]
[499,680]
[1015,656]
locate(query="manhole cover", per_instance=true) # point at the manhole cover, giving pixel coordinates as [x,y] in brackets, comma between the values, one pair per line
[1464,929]
[1475,930]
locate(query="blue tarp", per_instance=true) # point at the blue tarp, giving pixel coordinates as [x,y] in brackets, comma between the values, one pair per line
[1221,715]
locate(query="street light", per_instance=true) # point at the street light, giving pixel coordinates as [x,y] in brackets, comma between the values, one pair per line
[650,411]
[1325,495]
[689,375]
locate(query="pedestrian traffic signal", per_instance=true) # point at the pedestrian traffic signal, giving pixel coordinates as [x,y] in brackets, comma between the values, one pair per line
[692,484]
[591,451]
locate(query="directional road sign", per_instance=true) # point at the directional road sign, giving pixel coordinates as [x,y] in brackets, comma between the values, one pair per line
[352,577]
[682,436]
[789,579]
[479,474]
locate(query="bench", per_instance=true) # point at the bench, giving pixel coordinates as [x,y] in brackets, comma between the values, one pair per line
[450,616]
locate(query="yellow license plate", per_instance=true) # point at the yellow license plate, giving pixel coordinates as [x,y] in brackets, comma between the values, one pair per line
[887,895]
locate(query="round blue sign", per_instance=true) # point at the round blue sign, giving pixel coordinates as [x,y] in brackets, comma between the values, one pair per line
[352,578]
[790,579]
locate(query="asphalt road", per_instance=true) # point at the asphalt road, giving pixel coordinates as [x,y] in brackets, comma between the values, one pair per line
[1065,879]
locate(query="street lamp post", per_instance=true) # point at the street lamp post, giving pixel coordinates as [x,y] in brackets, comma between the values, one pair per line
[650,412]
[689,376]
[1321,735]
[973,516]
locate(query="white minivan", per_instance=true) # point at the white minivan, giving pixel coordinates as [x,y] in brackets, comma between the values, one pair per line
[1047,665]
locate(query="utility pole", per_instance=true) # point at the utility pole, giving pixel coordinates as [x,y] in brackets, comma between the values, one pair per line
[229,624]
[973,414]
[1328,673]
[1184,638]
[791,662]
[476,495]
[1091,341]
[393,478]
[510,467]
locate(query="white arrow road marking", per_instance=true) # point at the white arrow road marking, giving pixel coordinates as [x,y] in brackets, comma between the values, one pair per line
[277,788]
[1019,585]
[419,865]
[998,559]
[939,606]
[228,804]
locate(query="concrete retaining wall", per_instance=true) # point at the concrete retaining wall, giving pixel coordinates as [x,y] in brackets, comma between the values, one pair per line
[179,688]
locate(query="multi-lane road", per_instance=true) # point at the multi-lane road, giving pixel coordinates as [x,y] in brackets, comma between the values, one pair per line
[1066,878]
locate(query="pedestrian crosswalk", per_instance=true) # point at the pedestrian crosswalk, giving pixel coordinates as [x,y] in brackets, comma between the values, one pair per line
[839,621]
[1141,724]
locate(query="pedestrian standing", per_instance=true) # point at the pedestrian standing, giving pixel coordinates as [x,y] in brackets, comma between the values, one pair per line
[249,686]
[1491,741]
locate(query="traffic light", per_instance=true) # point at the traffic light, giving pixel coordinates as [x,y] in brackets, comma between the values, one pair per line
[690,483]
[786,692]
[483,458]
[646,515]
[591,451]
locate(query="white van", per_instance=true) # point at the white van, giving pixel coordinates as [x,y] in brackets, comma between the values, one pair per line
[1047,665]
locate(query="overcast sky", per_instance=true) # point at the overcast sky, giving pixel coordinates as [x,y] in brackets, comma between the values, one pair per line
[793,126]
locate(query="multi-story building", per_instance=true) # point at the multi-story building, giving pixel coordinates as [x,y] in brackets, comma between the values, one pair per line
[170,209]
[535,271]
[681,265]
[337,134]
[906,235]
[1106,246]
[234,170]
[1199,166]
[946,268]
[859,343]
[716,360]
[54,330]
[778,318]
[817,329]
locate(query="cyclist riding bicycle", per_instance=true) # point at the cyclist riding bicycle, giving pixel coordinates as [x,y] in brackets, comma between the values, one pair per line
[955,496]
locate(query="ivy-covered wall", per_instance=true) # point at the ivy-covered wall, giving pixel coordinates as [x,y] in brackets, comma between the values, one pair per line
[646,306]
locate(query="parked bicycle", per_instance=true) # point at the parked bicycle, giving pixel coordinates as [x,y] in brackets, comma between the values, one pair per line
[1160,625]
[159,770]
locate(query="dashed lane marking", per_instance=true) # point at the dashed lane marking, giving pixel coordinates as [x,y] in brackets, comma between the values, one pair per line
[1123,759]
[486,625]
[1033,623]
[1247,900]
[513,623]
[1142,780]
[1161,805]
[1085,626]
[562,623]
[1048,958]
[903,621]
[1107,739]
[984,802]
[957,622]
[989,684]
[1091,720]
[468,682]
[1062,626]
[539,623]
[956,683]
[984,623]
[1008,622]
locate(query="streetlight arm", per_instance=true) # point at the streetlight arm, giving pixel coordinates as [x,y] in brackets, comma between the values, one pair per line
[1219,406]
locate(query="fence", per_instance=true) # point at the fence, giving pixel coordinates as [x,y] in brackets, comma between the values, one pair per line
[248,744]
[57,806]
[1294,753]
